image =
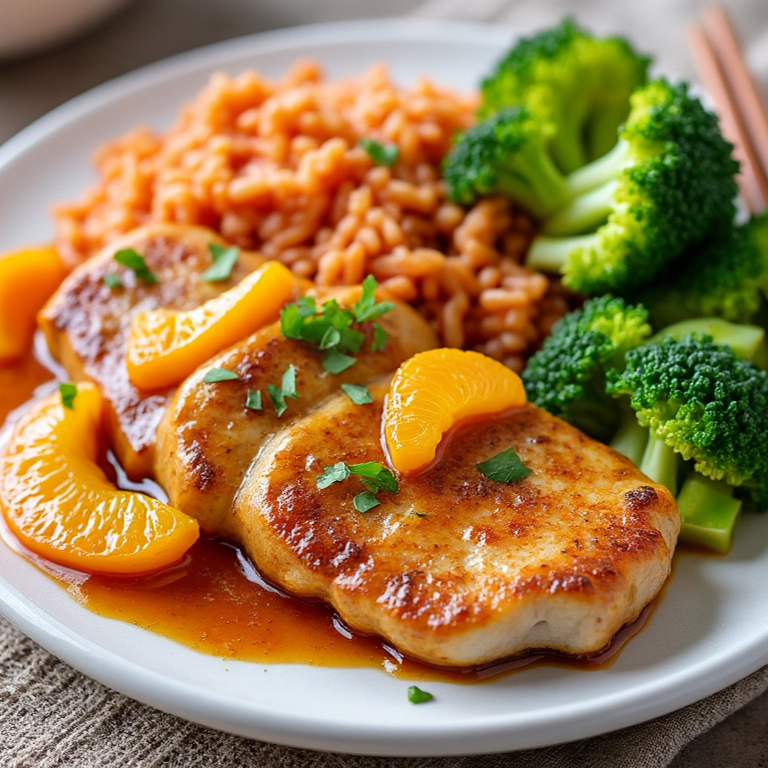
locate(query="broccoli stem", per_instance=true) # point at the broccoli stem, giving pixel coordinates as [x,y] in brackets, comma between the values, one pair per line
[567,147]
[660,462]
[599,172]
[603,128]
[549,254]
[708,512]
[652,456]
[746,341]
[631,439]
[534,182]
[585,213]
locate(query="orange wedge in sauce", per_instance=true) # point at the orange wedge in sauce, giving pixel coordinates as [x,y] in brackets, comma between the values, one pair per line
[27,278]
[435,390]
[165,346]
[60,504]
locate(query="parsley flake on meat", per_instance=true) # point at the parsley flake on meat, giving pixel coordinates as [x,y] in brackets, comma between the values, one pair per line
[504,467]
[133,260]
[224,260]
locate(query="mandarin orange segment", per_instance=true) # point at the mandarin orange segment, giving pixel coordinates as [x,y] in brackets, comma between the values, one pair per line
[165,346]
[60,504]
[27,278]
[435,390]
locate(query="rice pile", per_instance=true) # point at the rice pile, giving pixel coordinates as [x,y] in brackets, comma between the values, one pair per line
[276,167]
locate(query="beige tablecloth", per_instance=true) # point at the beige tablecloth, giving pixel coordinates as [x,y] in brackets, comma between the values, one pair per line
[51,715]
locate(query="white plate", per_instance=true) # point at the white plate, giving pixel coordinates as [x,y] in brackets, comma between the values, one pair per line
[710,630]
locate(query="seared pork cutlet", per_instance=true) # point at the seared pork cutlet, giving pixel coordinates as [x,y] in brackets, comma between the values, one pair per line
[209,437]
[456,569]
[87,323]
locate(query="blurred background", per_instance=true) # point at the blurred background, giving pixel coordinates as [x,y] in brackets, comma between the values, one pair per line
[105,38]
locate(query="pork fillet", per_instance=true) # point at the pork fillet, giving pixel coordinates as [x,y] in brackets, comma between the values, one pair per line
[456,569]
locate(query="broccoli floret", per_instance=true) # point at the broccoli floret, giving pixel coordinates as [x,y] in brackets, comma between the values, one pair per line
[696,402]
[572,80]
[726,278]
[667,184]
[567,375]
[506,154]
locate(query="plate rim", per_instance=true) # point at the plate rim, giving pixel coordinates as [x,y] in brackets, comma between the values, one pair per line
[423,739]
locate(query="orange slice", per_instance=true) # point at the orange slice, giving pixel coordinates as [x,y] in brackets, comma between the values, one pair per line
[27,278]
[60,504]
[165,346]
[434,390]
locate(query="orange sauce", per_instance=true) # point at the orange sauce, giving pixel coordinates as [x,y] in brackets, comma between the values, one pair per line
[215,601]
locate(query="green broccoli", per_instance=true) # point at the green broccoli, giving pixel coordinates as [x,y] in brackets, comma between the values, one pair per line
[666,185]
[567,375]
[696,403]
[726,278]
[507,154]
[746,341]
[572,80]
[609,341]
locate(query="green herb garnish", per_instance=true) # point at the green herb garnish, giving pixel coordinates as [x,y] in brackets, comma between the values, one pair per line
[333,474]
[289,382]
[365,501]
[417,696]
[112,280]
[278,399]
[330,327]
[504,467]
[335,362]
[219,374]
[367,307]
[224,260]
[68,392]
[381,154]
[357,393]
[380,338]
[373,475]
[134,261]
[253,400]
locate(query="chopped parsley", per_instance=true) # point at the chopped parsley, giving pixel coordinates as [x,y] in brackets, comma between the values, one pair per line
[417,696]
[277,396]
[224,260]
[68,392]
[134,261]
[219,374]
[381,154]
[367,308]
[380,338]
[359,394]
[373,475]
[333,474]
[330,327]
[112,280]
[289,382]
[253,400]
[336,362]
[504,467]
[365,501]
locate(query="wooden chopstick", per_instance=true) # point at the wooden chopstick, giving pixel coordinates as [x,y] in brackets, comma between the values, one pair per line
[722,70]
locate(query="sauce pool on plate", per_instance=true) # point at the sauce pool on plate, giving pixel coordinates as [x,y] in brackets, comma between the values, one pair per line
[215,601]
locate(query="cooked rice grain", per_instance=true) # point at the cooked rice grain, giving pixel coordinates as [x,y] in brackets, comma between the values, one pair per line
[276,167]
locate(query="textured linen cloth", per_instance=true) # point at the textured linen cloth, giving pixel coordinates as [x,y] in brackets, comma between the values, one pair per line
[51,715]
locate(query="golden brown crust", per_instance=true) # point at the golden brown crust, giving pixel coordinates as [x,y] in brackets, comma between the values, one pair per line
[87,324]
[456,569]
[208,437]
